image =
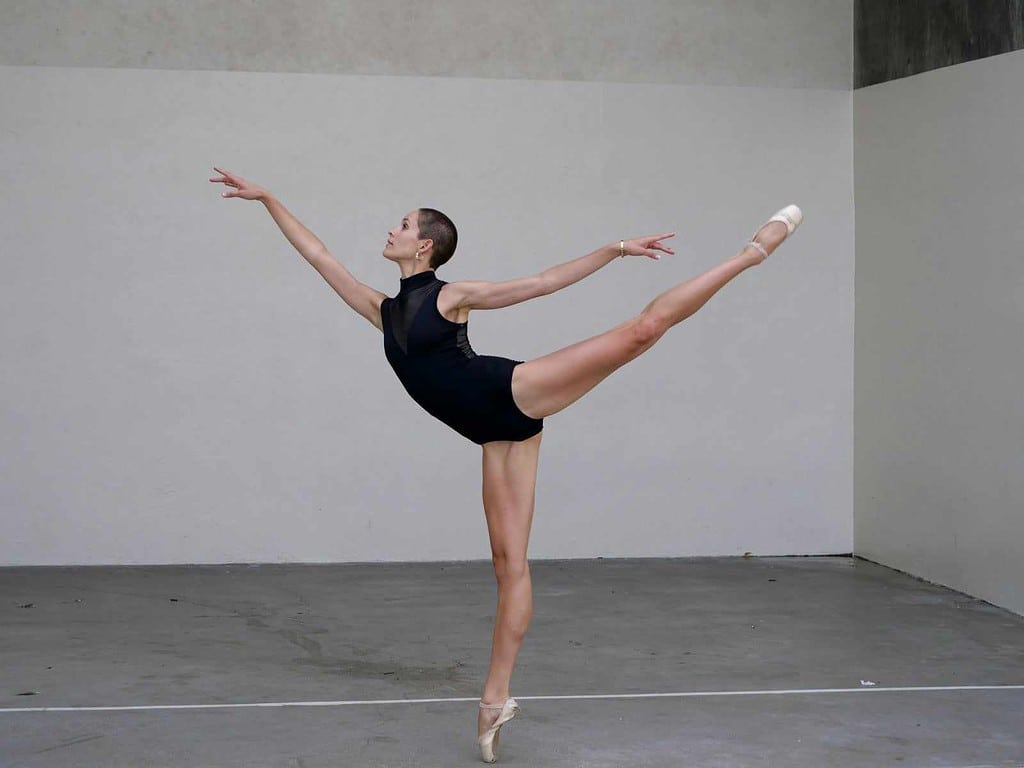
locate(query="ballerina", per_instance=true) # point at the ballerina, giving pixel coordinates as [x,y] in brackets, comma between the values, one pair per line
[498,403]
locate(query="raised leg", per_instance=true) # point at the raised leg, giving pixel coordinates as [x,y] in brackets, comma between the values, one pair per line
[509,484]
[546,385]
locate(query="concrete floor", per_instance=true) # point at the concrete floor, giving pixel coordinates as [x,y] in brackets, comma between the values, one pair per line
[90,637]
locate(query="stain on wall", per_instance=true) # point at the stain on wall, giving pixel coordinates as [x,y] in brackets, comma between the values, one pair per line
[899,38]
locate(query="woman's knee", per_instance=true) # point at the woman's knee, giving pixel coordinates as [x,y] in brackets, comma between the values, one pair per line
[648,328]
[509,570]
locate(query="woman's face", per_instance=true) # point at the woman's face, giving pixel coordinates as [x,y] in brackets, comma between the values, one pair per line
[404,240]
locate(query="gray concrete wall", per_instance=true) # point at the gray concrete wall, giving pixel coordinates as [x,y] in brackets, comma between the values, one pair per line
[899,38]
[940,319]
[185,389]
[786,43]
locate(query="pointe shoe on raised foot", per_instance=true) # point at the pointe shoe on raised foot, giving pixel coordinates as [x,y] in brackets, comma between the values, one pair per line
[791,216]
[488,740]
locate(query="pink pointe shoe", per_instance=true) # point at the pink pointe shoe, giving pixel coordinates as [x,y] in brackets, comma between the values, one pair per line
[488,740]
[791,216]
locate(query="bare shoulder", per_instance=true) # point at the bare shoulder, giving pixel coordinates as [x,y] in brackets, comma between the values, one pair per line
[452,299]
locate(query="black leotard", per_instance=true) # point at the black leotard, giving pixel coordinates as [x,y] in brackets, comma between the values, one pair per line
[470,393]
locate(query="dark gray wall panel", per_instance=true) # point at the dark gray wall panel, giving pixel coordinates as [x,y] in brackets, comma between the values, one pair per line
[898,38]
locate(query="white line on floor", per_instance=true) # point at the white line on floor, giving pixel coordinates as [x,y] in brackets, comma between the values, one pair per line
[567,697]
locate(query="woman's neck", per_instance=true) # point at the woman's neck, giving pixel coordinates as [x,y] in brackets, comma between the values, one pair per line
[408,270]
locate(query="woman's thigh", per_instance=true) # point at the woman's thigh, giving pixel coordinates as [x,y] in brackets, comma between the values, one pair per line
[546,385]
[509,487]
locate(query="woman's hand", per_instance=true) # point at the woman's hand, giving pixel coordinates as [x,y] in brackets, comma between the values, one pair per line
[241,188]
[647,246]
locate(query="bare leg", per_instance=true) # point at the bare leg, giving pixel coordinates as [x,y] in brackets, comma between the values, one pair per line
[509,485]
[548,384]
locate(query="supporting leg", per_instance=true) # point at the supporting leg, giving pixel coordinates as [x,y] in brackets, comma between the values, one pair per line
[509,484]
[546,385]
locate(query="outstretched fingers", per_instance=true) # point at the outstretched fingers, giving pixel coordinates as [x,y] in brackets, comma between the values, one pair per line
[228,179]
[649,246]
[240,187]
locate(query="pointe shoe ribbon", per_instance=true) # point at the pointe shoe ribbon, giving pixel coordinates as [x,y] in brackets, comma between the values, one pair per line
[488,740]
[791,216]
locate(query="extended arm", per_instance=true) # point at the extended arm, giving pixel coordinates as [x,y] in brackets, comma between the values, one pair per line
[485,295]
[362,298]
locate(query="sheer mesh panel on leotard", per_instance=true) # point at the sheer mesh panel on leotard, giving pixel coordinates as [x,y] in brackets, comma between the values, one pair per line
[403,311]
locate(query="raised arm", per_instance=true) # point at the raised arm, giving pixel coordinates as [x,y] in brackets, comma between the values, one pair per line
[362,298]
[483,295]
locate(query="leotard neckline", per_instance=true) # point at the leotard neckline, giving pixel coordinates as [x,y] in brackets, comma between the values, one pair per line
[413,282]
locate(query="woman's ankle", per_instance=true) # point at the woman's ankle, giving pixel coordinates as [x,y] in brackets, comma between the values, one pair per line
[494,697]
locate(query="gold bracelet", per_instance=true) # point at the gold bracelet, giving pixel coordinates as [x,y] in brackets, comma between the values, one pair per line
[622,248]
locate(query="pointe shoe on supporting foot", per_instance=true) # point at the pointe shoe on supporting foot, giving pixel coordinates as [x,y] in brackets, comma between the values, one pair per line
[791,216]
[488,740]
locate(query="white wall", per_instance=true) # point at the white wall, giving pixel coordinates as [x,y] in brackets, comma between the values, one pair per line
[940,326]
[181,387]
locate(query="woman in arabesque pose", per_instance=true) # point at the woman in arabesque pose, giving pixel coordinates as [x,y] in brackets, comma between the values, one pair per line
[498,403]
